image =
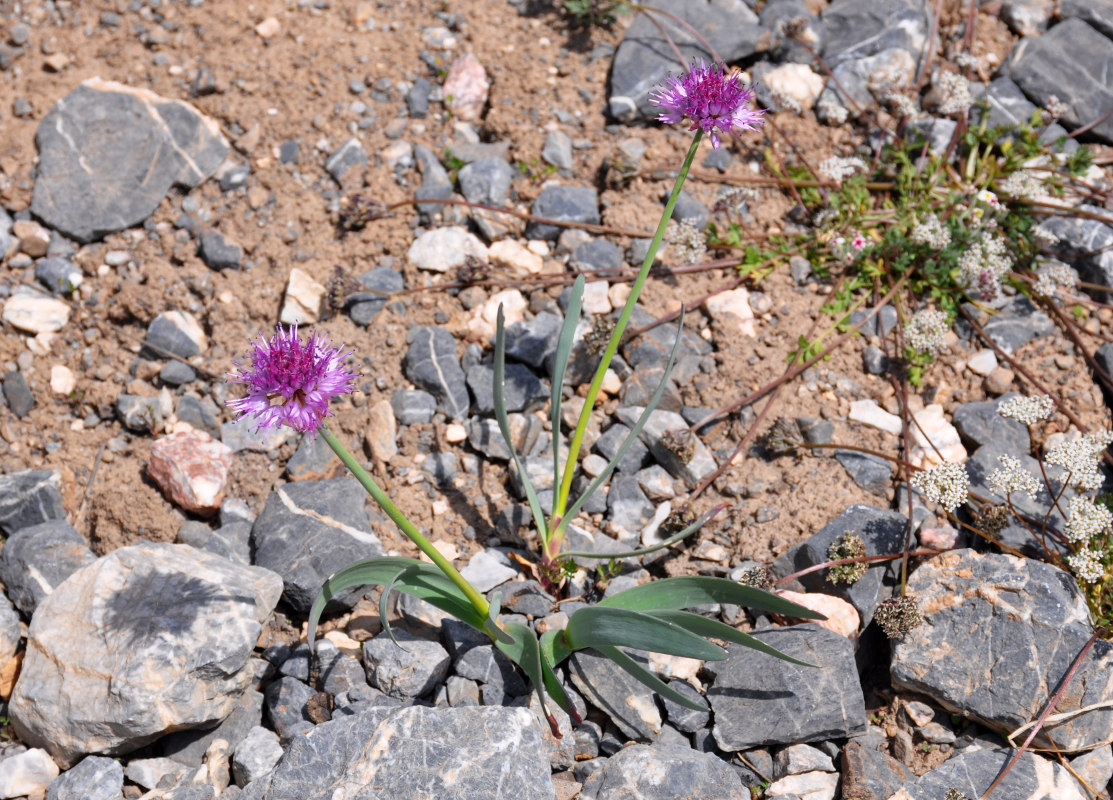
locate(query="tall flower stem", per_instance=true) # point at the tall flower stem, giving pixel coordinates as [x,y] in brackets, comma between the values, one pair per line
[552,547]
[479,603]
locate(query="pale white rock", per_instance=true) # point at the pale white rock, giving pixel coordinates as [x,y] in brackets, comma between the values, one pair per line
[842,617]
[485,571]
[513,255]
[398,155]
[34,239]
[31,312]
[618,294]
[539,247]
[709,551]
[797,82]
[304,297]
[27,774]
[651,533]
[442,249]
[465,88]
[192,469]
[731,309]
[805,786]
[382,429]
[595,298]
[612,384]
[868,412]
[268,28]
[514,307]
[675,666]
[982,362]
[934,439]
[455,433]
[593,465]
[62,380]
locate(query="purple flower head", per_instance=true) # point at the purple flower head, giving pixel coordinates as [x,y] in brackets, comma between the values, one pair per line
[711,99]
[290,382]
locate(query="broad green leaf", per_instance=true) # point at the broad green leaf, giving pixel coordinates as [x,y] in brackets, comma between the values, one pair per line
[698,590]
[384,604]
[504,426]
[563,352]
[492,627]
[524,652]
[707,627]
[648,678]
[596,626]
[631,437]
[554,647]
[426,583]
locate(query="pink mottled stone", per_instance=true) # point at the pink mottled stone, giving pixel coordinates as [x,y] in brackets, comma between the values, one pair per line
[842,618]
[192,469]
[939,538]
[465,88]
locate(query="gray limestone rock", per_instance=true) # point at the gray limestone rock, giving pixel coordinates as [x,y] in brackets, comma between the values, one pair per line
[376,287]
[1008,107]
[95,778]
[629,704]
[1070,61]
[285,701]
[533,340]
[218,252]
[310,529]
[868,471]
[255,756]
[28,498]
[345,158]
[1021,622]
[1085,244]
[448,753]
[59,275]
[431,363]
[881,530]
[979,423]
[410,670]
[758,700]
[698,467]
[188,747]
[175,333]
[35,560]
[684,719]
[1016,323]
[974,769]
[10,633]
[663,772]
[644,58]
[17,393]
[611,440]
[109,153]
[558,150]
[598,254]
[564,204]
[987,458]
[134,681]
[861,28]
[871,774]
[487,665]
[1098,13]
[521,388]
[486,180]
[412,406]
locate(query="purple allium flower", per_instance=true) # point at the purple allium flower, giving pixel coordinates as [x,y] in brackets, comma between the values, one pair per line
[711,99]
[290,382]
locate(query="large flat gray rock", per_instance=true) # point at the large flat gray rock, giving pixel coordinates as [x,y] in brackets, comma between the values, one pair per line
[432,364]
[147,640]
[663,772]
[999,634]
[861,28]
[109,153]
[973,771]
[1085,244]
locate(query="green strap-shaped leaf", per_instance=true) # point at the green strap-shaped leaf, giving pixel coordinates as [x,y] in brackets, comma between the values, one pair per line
[384,603]
[595,626]
[649,679]
[563,352]
[523,651]
[631,437]
[426,583]
[491,626]
[504,426]
[707,627]
[696,590]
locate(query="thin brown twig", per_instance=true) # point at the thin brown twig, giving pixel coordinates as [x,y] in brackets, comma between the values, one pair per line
[79,517]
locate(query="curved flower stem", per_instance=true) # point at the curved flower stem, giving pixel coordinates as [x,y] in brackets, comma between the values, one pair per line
[479,603]
[560,504]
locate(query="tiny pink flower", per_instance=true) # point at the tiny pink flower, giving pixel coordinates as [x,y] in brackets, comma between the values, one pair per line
[712,100]
[290,382]
[858,242]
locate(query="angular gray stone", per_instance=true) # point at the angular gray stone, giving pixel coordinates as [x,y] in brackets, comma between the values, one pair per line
[871,774]
[346,157]
[1098,13]
[644,58]
[881,530]
[485,437]
[189,746]
[652,348]
[487,665]
[376,287]
[109,153]
[558,150]
[563,204]
[310,529]
[598,254]
[218,252]
[521,388]
[628,703]
[59,275]
[758,700]
[486,180]
[18,394]
[533,340]
[447,754]
[410,670]
[1085,244]
[978,423]
[861,28]
[1070,61]
[1016,323]
[628,507]
[9,629]
[35,560]
[986,459]
[134,681]
[1007,107]
[609,443]
[685,719]
[413,406]
[285,701]
[1021,623]
[868,471]
[663,772]
[972,771]
[431,363]
[28,498]
[659,423]
[255,756]
[95,778]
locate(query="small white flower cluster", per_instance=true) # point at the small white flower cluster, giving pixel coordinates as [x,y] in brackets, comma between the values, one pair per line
[1028,410]
[955,92]
[1044,236]
[946,484]
[931,233]
[903,103]
[925,331]
[1080,459]
[1011,477]
[688,239]
[834,112]
[983,263]
[965,60]
[836,168]
[1087,520]
[1086,565]
[1021,185]
[1053,276]
[1056,107]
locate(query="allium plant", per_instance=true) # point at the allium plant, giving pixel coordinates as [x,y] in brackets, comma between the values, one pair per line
[290,382]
